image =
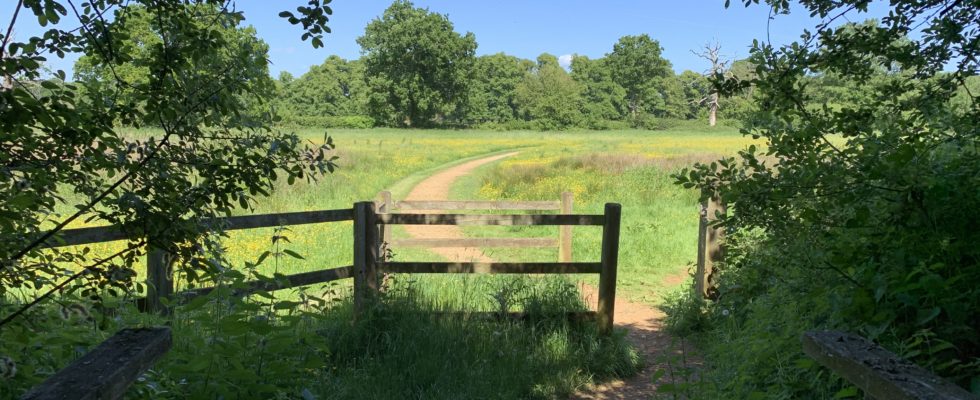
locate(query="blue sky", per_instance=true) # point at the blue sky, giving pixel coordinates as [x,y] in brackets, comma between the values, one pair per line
[524,28]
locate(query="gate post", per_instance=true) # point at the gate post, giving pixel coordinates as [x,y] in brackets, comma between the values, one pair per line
[565,231]
[159,279]
[385,207]
[710,249]
[610,261]
[365,257]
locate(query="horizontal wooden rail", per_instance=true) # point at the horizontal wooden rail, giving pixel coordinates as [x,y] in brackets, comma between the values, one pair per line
[477,205]
[480,242]
[286,219]
[492,268]
[74,237]
[878,372]
[290,281]
[465,219]
[109,369]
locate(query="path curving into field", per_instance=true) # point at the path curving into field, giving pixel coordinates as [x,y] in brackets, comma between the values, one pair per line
[436,187]
[644,323]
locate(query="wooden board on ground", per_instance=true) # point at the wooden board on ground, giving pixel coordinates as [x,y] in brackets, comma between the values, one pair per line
[878,372]
[109,369]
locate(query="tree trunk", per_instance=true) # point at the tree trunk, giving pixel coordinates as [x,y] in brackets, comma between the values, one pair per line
[713,111]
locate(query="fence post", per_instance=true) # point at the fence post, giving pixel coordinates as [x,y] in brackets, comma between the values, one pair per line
[385,208]
[700,275]
[710,249]
[365,257]
[565,231]
[159,279]
[610,260]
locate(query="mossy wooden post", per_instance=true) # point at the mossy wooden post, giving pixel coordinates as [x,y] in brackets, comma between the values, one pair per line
[710,249]
[610,261]
[365,256]
[159,279]
[565,231]
[700,276]
[385,207]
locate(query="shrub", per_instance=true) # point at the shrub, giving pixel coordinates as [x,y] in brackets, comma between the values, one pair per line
[328,121]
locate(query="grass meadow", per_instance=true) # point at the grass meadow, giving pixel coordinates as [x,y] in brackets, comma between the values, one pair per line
[418,355]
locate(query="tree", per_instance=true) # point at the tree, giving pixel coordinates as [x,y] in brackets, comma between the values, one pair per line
[418,67]
[335,88]
[696,88]
[603,98]
[712,53]
[637,65]
[859,217]
[243,60]
[549,96]
[493,89]
[206,162]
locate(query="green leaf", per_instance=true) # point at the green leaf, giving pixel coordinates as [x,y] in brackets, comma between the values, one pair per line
[927,314]
[845,393]
[293,254]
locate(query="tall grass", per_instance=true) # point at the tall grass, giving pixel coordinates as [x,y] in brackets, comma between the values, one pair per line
[658,242]
[409,348]
[401,350]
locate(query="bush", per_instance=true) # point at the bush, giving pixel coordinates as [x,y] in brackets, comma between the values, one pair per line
[649,122]
[328,121]
[599,124]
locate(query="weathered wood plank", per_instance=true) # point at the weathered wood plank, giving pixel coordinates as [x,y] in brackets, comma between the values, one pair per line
[465,219]
[565,231]
[360,260]
[475,242]
[74,237]
[491,268]
[714,244]
[159,280]
[416,205]
[288,281]
[878,372]
[610,263]
[285,219]
[700,274]
[108,370]
[385,207]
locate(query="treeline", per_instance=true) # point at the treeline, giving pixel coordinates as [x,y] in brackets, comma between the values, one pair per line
[417,71]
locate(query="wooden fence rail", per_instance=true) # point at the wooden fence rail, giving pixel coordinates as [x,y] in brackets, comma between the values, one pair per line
[369,267]
[106,371]
[878,372]
[386,205]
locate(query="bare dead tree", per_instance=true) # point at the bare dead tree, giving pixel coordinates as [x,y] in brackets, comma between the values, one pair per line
[712,53]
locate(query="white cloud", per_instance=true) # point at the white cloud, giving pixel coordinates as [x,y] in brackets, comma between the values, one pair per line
[565,60]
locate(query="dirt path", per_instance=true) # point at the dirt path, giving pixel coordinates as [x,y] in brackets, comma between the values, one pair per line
[643,322]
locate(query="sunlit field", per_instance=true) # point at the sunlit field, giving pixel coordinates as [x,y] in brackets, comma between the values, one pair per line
[543,359]
[629,167]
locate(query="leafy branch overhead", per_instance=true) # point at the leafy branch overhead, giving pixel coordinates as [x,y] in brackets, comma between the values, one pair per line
[189,68]
[858,210]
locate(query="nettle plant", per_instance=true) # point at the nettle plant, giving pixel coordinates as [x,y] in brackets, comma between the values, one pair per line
[868,202]
[187,68]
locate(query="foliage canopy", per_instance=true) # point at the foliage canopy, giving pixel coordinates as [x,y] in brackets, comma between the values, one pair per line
[417,66]
[859,212]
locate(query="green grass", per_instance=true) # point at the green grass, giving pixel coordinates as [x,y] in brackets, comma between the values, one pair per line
[399,351]
[659,227]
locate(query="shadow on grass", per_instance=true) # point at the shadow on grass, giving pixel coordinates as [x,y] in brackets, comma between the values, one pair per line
[403,349]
